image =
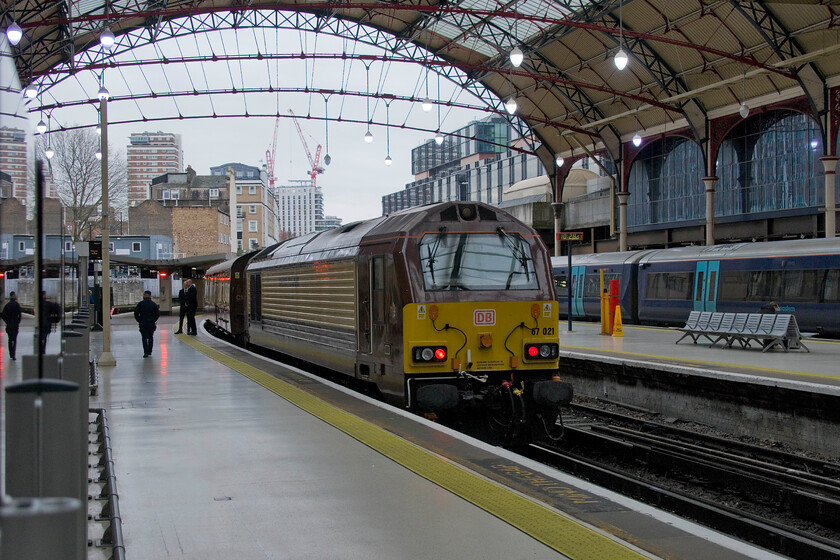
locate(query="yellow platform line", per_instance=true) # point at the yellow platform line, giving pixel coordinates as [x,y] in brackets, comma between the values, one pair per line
[566,536]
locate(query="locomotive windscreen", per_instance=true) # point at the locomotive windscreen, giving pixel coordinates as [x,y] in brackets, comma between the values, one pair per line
[477,261]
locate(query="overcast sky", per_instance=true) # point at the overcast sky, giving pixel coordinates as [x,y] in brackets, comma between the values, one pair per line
[356,180]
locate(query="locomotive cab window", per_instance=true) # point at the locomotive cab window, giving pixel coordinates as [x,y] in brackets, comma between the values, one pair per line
[477,261]
[377,280]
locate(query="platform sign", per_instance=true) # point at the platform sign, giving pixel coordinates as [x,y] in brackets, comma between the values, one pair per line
[569,236]
[95,250]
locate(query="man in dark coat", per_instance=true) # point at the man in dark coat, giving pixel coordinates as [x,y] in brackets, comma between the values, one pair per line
[11,315]
[146,313]
[182,309]
[191,297]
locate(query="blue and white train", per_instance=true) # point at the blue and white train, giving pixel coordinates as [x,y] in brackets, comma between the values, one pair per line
[662,286]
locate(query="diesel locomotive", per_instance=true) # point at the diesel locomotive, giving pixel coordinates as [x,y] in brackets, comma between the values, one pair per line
[448,309]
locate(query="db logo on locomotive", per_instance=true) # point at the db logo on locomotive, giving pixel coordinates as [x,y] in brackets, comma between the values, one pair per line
[484,317]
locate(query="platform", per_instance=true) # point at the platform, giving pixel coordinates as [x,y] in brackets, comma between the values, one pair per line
[220,454]
[658,346]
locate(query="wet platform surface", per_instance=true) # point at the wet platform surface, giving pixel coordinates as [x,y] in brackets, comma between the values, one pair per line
[214,461]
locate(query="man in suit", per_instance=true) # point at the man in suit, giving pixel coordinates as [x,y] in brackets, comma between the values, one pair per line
[182,308]
[191,297]
[11,316]
[146,313]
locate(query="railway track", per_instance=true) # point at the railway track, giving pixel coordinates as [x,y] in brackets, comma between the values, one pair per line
[784,502]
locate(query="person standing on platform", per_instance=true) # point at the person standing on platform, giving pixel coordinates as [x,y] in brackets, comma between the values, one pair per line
[182,308]
[146,313]
[191,297]
[12,315]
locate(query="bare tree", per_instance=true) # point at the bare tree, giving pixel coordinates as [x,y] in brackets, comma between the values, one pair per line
[77,172]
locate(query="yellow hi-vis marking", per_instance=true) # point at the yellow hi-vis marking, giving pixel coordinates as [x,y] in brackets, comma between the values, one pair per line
[618,330]
[565,535]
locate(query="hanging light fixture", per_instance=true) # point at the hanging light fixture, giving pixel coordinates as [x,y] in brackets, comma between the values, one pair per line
[388,160]
[438,138]
[41,126]
[621,56]
[14,33]
[368,135]
[559,160]
[49,152]
[31,92]
[98,154]
[516,56]
[327,158]
[511,105]
[107,39]
[427,105]
[103,94]
[637,140]
[744,109]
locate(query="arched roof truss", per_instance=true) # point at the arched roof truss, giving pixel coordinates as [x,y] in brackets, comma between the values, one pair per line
[690,60]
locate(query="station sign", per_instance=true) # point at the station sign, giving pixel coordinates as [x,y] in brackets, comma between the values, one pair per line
[95,250]
[569,236]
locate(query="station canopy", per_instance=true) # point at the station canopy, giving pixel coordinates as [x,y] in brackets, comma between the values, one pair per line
[688,61]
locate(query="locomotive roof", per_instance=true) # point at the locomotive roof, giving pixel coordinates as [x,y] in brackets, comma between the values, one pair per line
[344,241]
[229,264]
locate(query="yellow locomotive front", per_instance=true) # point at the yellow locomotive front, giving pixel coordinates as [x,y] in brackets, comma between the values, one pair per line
[481,333]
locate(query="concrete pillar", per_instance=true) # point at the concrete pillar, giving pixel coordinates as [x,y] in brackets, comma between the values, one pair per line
[623,195]
[830,165]
[710,209]
[42,528]
[558,226]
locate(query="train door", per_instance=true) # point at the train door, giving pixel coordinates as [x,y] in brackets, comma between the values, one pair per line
[705,285]
[578,276]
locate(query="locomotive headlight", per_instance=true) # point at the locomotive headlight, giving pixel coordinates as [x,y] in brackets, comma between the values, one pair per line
[542,351]
[428,354]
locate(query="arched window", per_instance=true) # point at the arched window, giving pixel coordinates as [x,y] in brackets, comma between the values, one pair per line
[666,183]
[771,162]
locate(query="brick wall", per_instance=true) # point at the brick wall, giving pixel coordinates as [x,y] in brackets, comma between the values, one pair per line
[196,230]
[150,218]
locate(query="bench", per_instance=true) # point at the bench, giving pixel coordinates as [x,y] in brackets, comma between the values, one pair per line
[768,330]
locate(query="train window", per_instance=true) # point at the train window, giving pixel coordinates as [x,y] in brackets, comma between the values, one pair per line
[698,296]
[764,285]
[256,297]
[799,286]
[592,287]
[670,285]
[710,296]
[561,282]
[831,288]
[477,261]
[733,285]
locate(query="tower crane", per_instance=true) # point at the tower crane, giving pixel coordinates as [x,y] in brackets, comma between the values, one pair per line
[316,169]
[269,156]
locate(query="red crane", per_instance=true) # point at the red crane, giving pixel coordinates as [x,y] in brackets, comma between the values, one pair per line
[314,163]
[269,156]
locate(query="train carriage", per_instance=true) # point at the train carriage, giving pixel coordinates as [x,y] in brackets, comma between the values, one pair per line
[443,308]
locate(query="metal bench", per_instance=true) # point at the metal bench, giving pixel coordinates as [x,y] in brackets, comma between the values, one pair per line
[766,329]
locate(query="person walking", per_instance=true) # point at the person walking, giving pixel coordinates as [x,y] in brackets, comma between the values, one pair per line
[12,315]
[182,308]
[191,297]
[146,313]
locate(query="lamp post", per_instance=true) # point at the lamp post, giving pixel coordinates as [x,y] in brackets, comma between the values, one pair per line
[106,358]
